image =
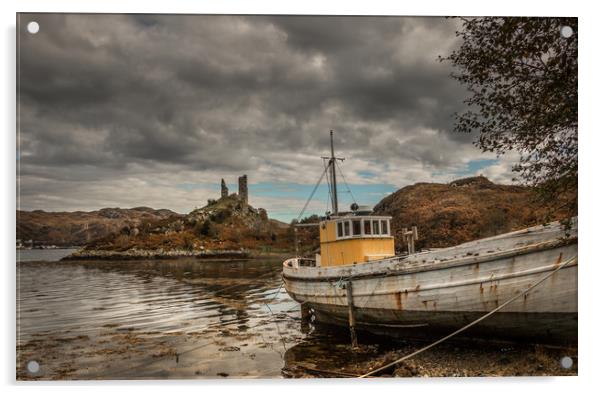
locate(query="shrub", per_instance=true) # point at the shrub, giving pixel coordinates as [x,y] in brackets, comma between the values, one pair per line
[220,216]
[206,228]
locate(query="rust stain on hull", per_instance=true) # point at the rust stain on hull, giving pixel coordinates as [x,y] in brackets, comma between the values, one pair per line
[398,300]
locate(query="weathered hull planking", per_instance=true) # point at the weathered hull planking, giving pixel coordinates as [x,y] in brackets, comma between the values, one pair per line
[443,290]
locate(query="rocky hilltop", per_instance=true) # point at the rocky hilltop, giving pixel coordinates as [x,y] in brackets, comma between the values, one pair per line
[78,228]
[227,227]
[461,211]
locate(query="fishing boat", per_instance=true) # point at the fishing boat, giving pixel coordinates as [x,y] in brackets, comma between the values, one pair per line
[357,280]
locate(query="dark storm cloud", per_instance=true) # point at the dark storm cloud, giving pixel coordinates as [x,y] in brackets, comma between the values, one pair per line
[129,94]
[370,76]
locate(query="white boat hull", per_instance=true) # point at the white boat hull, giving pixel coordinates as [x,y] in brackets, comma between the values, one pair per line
[443,290]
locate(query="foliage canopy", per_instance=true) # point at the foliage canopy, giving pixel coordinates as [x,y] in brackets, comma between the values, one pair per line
[521,75]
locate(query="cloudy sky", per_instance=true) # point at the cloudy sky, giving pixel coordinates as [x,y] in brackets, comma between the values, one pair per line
[141,110]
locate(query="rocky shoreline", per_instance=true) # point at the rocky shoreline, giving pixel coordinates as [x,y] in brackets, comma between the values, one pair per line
[455,359]
[145,254]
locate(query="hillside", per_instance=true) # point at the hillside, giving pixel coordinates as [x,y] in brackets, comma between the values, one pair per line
[461,211]
[78,228]
[227,224]
[445,214]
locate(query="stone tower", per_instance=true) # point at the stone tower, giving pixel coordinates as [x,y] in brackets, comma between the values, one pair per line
[243,192]
[224,189]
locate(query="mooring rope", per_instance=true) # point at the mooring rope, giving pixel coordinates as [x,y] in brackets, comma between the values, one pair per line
[528,289]
[276,293]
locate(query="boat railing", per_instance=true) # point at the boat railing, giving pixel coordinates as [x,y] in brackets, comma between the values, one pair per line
[297,262]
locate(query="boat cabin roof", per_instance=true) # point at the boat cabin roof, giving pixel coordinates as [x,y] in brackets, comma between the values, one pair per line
[352,216]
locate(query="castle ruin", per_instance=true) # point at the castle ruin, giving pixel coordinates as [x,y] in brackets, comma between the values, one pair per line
[224,189]
[243,191]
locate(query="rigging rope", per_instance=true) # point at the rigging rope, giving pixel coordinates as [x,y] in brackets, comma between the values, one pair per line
[345,181]
[329,186]
[311,195]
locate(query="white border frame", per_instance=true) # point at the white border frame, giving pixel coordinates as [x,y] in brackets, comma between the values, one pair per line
[589,158]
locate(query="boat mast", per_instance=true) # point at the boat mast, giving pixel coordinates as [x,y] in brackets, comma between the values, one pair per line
[333,173]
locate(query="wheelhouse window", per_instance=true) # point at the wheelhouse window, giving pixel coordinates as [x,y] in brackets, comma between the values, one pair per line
[375,227]
[357,227]
[367,227]
[385,227]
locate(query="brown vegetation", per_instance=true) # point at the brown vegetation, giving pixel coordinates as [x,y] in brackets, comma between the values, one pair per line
[225,224]
[78,228]
[462,211]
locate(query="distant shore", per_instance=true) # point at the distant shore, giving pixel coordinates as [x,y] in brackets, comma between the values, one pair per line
[160,254]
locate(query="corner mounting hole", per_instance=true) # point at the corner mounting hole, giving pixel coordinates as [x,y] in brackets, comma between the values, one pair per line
[566,31]
[33,27]
[33,366]
[566,362]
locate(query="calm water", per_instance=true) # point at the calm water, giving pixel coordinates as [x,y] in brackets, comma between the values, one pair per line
[195,319]
[43,254]
[156,319]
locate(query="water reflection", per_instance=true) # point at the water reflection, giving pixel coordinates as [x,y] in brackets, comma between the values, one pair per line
[208,317]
